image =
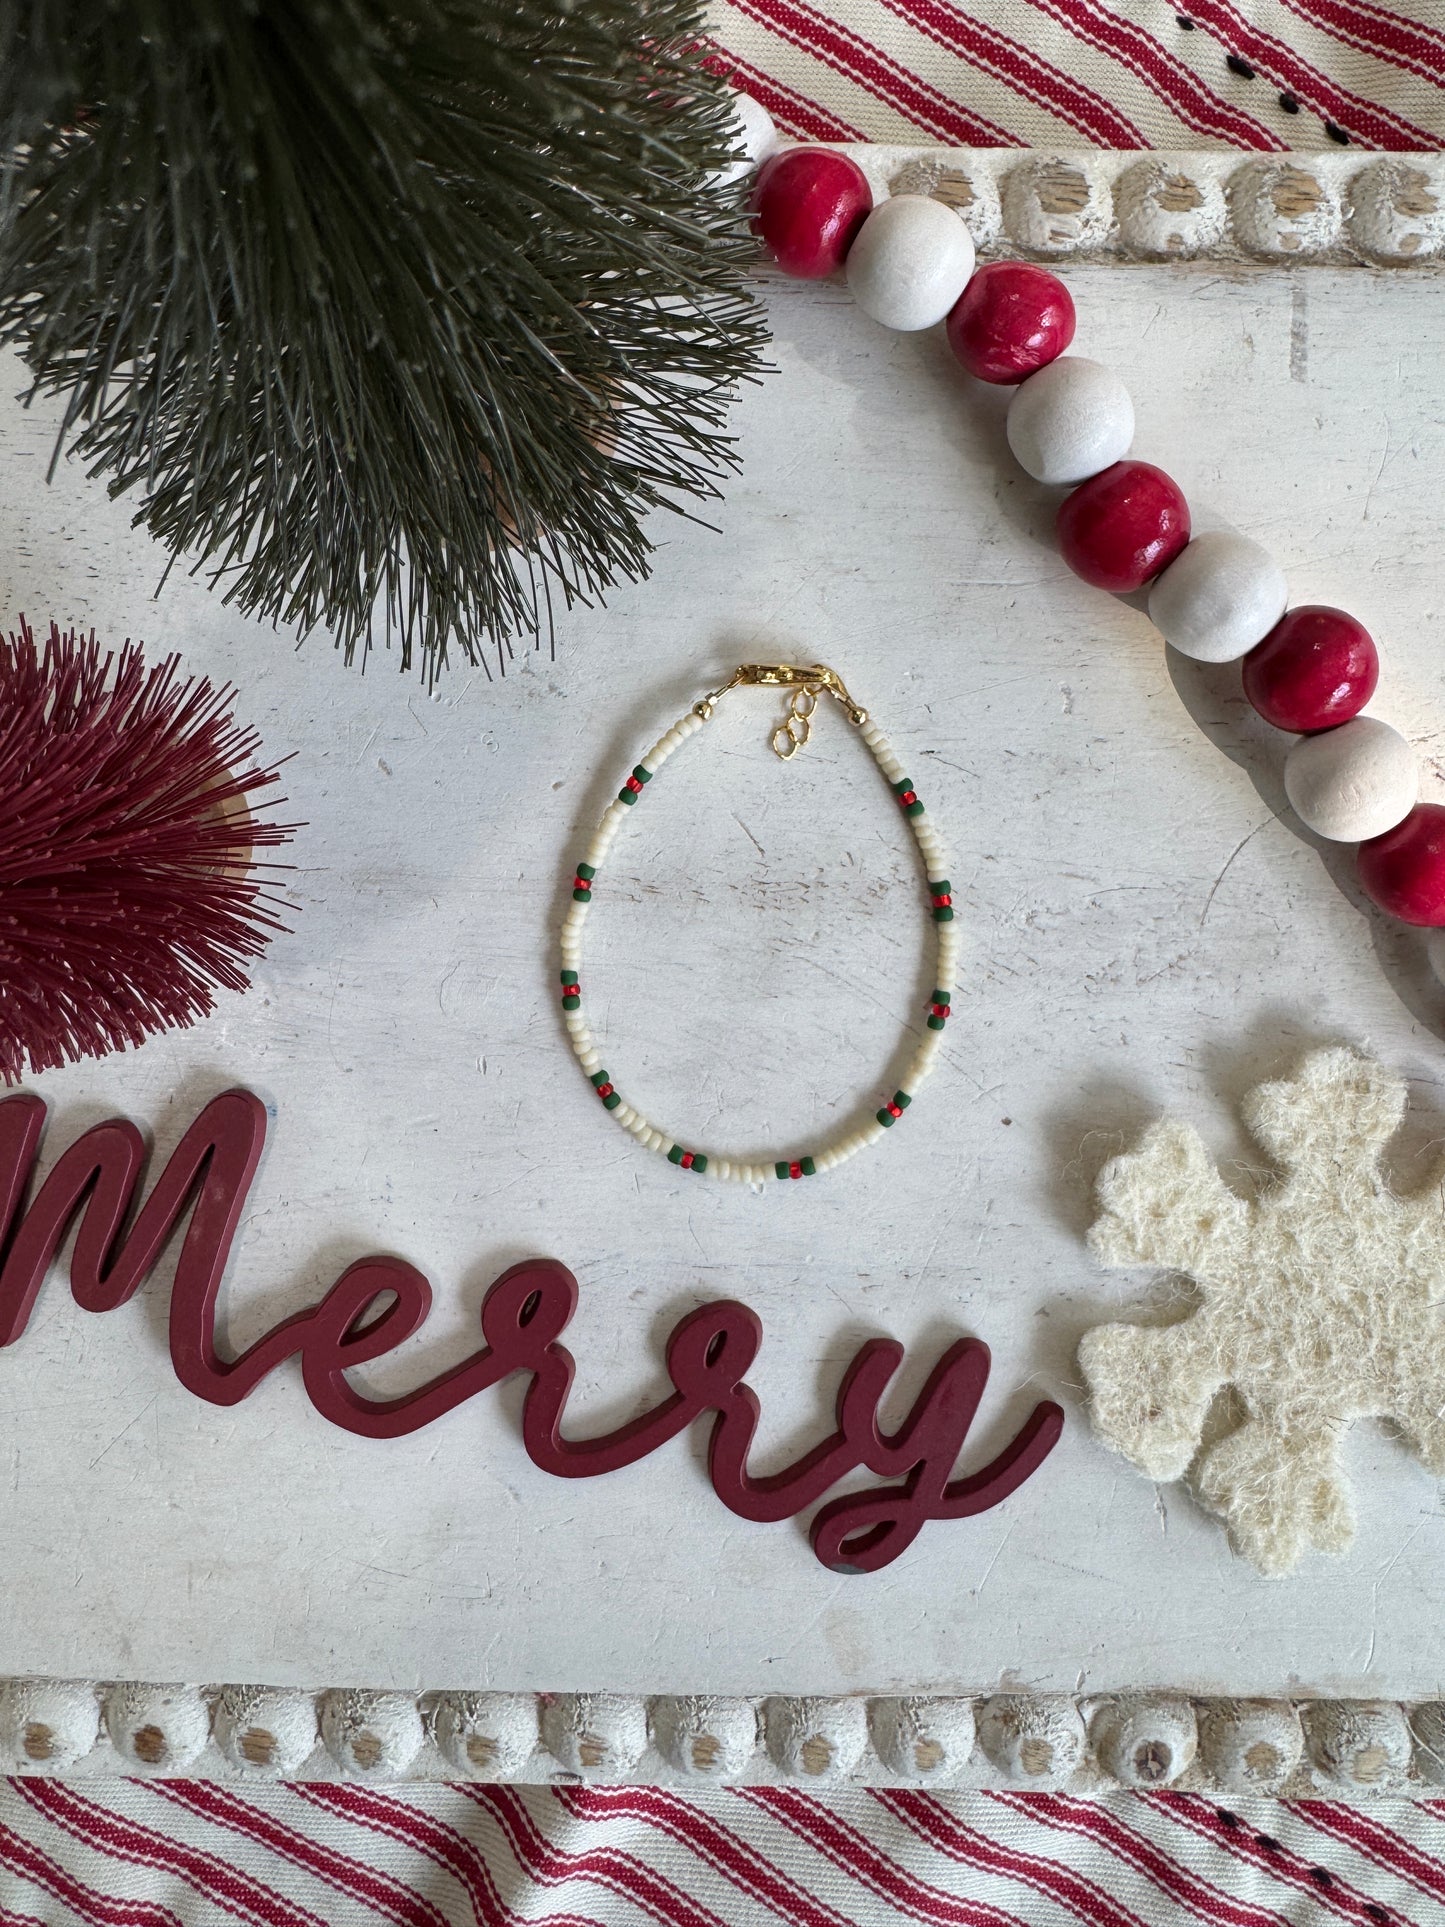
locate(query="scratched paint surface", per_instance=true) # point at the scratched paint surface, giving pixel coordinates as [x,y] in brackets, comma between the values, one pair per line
[1143,928]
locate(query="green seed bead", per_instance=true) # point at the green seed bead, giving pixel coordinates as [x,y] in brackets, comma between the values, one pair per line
[807,1167]
[781,1170]
[571,1003]
[940,888]
[642,773]
[944,913]
[569,976]
[674,1156]
[598,1078]
[629,797]
[899,788]
[913,809]
[611,1102]
[581,896]
[937,1023]
[902,1100]
[699,1162]
[586,872]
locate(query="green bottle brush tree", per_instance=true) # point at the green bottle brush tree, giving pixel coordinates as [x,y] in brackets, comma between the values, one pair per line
[392,318]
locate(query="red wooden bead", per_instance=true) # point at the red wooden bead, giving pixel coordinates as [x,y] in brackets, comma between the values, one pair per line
[1123,526]
[1315,669]
[1010,319]
[808,205]
[1404,870]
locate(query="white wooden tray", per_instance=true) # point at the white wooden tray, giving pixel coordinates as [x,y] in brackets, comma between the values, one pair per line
[1144,929]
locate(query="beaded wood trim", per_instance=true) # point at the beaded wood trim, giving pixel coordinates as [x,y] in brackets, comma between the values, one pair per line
[1347,210]
[1348,1749]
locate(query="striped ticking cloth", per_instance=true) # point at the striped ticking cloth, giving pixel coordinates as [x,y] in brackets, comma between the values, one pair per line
[1079,73]
[159,1853]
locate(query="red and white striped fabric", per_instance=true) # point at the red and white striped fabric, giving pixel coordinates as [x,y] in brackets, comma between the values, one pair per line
[178,1853]
[1080,73]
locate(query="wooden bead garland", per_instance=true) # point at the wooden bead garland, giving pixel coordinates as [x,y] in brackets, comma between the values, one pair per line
[1217,598]
[806,684]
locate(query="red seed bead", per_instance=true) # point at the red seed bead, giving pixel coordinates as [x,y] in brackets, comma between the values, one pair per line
[1403,871]
[1315,669]
[808,205]
[1011,319]
[1123,526]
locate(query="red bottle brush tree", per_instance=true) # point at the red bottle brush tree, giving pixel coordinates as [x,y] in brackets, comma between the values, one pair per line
[129,885]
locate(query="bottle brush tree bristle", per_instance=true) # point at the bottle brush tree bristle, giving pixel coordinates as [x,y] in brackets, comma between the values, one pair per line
[129,885]
[397,316]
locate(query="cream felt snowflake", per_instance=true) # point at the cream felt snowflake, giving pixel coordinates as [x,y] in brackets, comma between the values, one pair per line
[1323,1302]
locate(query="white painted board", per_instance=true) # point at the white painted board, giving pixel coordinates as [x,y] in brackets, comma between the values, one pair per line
[1144,928]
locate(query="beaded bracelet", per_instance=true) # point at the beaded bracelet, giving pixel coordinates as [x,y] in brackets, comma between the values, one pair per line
[805,685]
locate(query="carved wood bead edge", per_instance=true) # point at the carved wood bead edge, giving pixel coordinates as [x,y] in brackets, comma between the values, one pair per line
[1224,1748]
[1349,209]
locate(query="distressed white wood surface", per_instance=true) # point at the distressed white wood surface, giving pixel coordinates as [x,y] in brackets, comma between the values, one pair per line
[1143,929]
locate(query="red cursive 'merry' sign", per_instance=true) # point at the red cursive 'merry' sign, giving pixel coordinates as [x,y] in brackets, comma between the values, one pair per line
[377,1303]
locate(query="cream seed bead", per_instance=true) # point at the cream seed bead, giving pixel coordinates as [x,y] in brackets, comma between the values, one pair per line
[1353,782]
[1219,597]
[1071,419]
[910,262]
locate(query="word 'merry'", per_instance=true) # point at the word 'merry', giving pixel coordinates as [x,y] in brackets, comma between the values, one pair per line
[379,1302]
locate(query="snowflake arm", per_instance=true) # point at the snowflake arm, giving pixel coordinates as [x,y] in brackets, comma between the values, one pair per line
[1166,1204]
[1149,1390]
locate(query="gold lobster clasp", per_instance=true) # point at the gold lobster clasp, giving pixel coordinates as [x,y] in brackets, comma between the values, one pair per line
[806,682]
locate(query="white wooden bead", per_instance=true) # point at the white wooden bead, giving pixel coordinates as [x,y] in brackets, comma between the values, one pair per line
[751,137]
[1069,420]
[1397,208]
[265,1731]
[1250,1746]
[1283,209]
[821,1740]
[597,1735]
[922,1739]
[1170,208]
[1361,1745]
[1352,782]
[1055,203]
[910,262]
[1219,598]
[1147,1741]
[1037,1738]
[705,1738]
[47,1724]
[163,1728]
[486,1736]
